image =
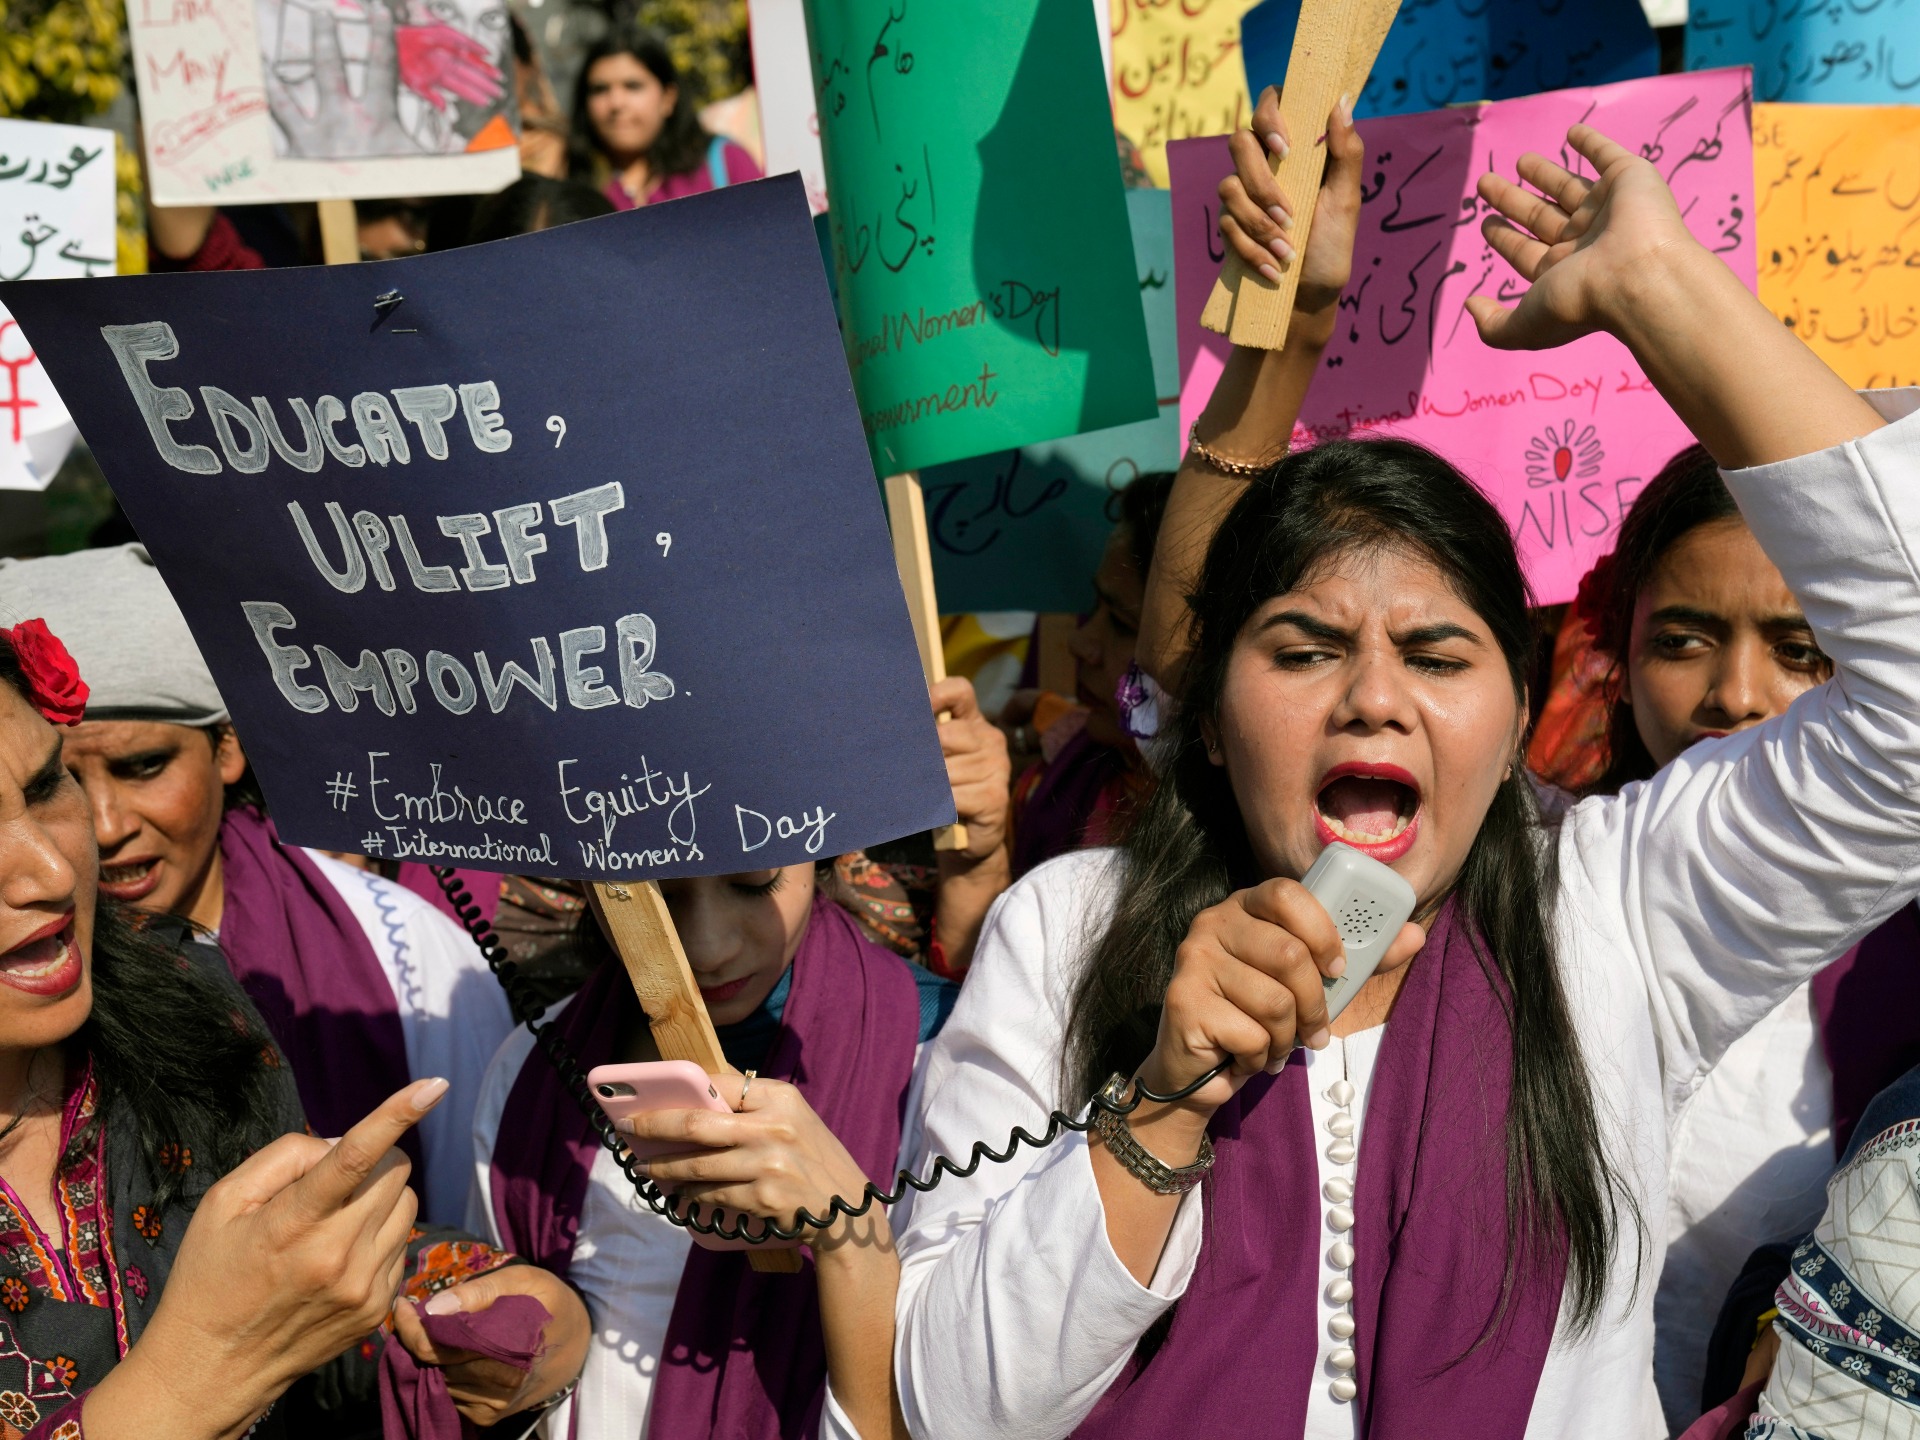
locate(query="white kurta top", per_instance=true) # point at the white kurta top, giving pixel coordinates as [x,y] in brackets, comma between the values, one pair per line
[453,1016]
[1691,905]
[1751,1156]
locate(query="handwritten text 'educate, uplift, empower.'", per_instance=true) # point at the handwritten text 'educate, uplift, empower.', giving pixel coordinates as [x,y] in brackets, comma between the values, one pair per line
[373,428]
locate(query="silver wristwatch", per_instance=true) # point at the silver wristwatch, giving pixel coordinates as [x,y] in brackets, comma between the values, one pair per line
[1134,1158]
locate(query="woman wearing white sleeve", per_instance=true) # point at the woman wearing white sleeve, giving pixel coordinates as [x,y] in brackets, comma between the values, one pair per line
[1447,1225]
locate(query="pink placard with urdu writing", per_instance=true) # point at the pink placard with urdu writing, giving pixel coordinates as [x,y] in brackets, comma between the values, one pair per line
[1563,439]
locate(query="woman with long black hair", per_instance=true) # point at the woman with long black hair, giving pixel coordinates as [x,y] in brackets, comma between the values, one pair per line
[1441,1216]
[178,1251]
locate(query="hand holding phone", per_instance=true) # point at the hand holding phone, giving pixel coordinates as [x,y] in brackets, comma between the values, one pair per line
[626,1091]
[623,1090]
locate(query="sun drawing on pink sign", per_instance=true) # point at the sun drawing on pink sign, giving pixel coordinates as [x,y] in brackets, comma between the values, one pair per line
[1564,451]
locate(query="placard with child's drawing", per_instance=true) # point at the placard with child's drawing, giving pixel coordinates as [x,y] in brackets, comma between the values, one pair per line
[984,272]
[1441,52]
[362,101]
[56,222]
[1562,440]
[565,558]
[1834,52]
[1023,529]
[1837,198]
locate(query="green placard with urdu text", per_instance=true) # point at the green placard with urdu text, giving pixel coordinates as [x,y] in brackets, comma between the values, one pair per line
[984,263]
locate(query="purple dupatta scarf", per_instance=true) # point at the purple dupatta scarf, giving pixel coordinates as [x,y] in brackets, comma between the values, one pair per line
[1429,1236]
[744,1355]
[301,956]
[1867,1004]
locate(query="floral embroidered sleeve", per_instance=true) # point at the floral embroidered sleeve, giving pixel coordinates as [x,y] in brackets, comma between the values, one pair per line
[63,1423]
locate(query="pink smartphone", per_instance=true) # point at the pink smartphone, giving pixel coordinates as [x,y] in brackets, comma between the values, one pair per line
[623,1090]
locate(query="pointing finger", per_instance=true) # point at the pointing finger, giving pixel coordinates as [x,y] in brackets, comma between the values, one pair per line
[331,1183]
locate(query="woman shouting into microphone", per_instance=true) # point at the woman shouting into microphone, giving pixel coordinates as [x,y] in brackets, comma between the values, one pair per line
[1437,1213]
[179,1254]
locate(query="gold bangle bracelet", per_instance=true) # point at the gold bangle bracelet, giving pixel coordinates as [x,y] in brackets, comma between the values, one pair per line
[1213,459]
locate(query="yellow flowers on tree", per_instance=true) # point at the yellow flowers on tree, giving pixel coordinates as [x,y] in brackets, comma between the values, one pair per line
[60,61]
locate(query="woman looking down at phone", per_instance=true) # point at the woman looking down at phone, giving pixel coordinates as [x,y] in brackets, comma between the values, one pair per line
[179,1252]
[1440,1218]
[688,1342]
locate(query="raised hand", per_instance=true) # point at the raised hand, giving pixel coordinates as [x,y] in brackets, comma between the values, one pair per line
[1612,254]
[1256,217]
[1583,244]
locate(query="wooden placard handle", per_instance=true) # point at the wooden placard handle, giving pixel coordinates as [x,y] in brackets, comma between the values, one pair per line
[635,920]
[1334,48]
[913,553]
[339,232]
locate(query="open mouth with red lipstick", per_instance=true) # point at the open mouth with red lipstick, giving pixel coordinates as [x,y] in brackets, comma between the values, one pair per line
[47,962]
[1373,808]
[129,880]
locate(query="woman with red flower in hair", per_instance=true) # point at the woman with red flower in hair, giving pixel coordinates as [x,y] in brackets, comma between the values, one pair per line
[363,984]
[175,1298]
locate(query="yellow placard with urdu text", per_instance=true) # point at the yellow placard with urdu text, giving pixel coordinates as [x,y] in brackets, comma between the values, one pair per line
[1177,73]
[1837,201]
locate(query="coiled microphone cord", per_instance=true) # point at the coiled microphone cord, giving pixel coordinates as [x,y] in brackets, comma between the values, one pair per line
[527,1010]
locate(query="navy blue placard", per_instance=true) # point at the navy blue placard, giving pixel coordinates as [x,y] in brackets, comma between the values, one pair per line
[1445,52]
[634,470]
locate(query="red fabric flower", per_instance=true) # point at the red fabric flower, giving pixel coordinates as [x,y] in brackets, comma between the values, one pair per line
[53,681]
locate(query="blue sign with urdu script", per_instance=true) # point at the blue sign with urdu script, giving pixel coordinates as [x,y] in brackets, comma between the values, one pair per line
[1447,52]
[561,554]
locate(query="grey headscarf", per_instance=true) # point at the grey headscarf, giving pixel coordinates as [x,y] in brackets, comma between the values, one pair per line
[118,620]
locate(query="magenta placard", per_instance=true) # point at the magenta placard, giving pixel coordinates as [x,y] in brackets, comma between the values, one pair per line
[1563,440]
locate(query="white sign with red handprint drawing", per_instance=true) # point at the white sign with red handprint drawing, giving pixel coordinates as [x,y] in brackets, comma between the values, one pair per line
[247,101]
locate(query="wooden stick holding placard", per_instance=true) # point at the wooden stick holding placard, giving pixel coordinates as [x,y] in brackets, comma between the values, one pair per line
[1334,48]
[912,552]
[339,232]
[635,919]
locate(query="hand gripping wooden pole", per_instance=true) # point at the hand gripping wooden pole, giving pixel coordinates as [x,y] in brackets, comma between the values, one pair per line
[635,920]
[1334,47]
[912,552]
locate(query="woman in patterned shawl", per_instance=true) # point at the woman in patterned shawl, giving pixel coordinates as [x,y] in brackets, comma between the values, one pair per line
[176,1254]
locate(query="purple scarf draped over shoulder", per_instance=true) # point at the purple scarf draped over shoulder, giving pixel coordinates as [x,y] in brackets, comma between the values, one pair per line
[295,947]
[744,1353]
[1868,1007]
[1429,1239]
